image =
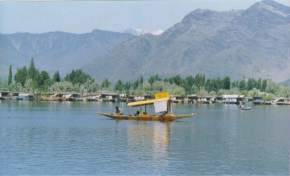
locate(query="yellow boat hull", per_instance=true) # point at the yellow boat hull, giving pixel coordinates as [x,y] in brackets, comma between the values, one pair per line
[147,117]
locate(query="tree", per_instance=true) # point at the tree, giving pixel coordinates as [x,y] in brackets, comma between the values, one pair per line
[127,87]
[202,93]
[106,83]
[29,85]
[199,81]
[77,77]
[176,80]
[16,87]
[21,76]
[32,71]
[153,79]
[179,91]
[90,86]
[43,77]
[56,77]
[188,85]
[251,83]
[268,97]
[227,83]
[159,85]
[242,85]
[136,84]
[254,93]
[259,84]
[64,86]
[119,86]
[264,85]
[208,86]
[141,80]
[43,80]
[10,75]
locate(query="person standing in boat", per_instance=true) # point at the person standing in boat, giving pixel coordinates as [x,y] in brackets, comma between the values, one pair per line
[137,113]
[117,110]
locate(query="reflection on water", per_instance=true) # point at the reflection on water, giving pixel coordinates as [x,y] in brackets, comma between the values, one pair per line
[154,136]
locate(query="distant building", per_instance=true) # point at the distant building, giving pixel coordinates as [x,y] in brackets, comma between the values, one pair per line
[4,95]
[192,98]
[206,100]
[177,99]
[109,97]
[25,96]
[72,97]
[282,101]
[139,98]
[258,100]
[93,98]
[233,99]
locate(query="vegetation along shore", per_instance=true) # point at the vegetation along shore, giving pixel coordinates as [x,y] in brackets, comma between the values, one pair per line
[78,85]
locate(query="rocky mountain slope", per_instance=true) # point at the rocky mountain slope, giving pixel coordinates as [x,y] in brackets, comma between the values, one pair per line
[249,43]
[57,50]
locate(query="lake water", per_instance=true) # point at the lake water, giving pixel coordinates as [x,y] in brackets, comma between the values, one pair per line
[69,138]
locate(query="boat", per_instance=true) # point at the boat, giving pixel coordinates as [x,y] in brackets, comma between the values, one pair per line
[162,106]
[25,96]
[147,117]
[246,108]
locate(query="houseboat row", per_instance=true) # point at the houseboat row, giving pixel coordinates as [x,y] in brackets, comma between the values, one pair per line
[15,96]
[115,97]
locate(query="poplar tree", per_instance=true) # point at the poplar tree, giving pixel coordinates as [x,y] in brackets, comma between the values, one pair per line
[10,75]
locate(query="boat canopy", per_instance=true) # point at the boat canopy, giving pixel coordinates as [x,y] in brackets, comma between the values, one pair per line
[159,97]
[147,102]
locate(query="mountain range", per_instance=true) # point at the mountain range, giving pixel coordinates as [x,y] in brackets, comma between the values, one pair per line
[57,50]
[254,42]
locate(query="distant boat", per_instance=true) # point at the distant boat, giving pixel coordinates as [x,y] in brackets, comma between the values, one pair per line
[162,105]
[246,108]
[25,96]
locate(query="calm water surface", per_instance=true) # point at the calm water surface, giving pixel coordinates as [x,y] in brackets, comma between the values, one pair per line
[69,138]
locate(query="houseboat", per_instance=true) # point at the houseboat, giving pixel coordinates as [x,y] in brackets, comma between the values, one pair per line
[5,95]
[192,98]
[177,99]
[233,99]
[25,96]
[282,101]
[258,100]
[109,97]
[72,97]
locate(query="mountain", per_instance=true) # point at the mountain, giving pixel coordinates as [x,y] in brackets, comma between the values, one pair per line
[57,50]
[246,43]
[286,83]
[254,42]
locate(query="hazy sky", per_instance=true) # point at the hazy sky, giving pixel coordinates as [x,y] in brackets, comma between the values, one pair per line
[84,16]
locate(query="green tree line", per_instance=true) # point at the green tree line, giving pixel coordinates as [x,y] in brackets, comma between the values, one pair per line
[31,79]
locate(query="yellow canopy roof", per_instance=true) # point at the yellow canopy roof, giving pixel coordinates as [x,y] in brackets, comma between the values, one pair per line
[159,95]
[147,102]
